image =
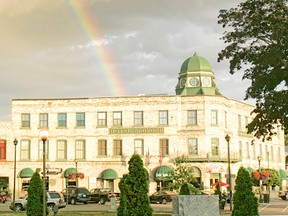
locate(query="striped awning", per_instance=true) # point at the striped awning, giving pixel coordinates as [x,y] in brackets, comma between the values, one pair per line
[68,171]
[164,173]
[109,174]
[283,174]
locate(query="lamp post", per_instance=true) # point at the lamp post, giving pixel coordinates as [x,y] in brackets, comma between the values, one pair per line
[76,163]
[44,137]
[227,138]
[260,180]
[14,185]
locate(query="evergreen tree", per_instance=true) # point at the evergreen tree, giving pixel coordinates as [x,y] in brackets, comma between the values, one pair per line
[245,202]
[218,191]
[136,200]
[35,196]
[122,208]
[185,189]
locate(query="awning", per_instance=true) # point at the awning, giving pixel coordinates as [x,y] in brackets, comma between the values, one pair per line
[250,170]
[163,173]
[68,171]
[109,174]
[26,173]
[283,174]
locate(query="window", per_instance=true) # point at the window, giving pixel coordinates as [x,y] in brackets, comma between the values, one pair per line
[239,122]
[272,153]
[163,117]
[117,118]
[138,146]
[43,120]
[248,150]
[240,149]
[25,150]
[62,120]
[138,118]
[215,146]
[40,150]
[192,146]
[102,147]
[61,150]
[2,149]
[164,147]
[117,150]
[214,117]
[102,119]
[260,150]
[192,117]
[80,149]
[25,120]
[80,119]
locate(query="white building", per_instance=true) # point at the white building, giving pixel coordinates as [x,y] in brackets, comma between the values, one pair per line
[102,133]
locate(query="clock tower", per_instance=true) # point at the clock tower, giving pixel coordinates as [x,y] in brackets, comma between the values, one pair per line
[196,78]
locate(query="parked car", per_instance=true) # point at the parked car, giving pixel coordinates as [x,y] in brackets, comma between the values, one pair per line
[101,195]
[72,195]
[162,197]
[53,198]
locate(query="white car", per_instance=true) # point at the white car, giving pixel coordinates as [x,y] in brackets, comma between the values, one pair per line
[53,198]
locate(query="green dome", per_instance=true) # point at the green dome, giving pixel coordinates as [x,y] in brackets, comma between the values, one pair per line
[195,63]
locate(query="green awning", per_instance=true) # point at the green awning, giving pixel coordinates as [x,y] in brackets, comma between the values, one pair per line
[26,173]
[283,174]
[68,171]
[250,170]
[109,174]
[164,173]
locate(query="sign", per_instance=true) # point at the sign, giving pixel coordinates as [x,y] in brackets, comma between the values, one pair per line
[52,171]
[135,130]
[215,169]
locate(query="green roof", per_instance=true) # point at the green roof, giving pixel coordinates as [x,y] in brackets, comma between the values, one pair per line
[195,63]
[163,173]
[68,171]
[109,174]
[26,173]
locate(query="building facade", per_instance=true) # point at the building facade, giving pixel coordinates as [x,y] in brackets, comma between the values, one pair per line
[95,137]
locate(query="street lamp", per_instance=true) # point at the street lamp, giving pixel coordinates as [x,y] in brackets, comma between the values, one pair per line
[76,163]
[260,180]
[44,137]
[227,138]
[14,185]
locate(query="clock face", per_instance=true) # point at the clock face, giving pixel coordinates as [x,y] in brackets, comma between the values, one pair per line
[206,81]
[194,81]
[183,82]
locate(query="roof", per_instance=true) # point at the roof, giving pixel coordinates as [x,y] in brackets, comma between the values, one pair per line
[195,63]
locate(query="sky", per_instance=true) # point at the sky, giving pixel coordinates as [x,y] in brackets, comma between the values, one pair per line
[93,48]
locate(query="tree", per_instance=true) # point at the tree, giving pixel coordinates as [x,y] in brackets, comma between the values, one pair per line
[35,196]
[257,37]
[183,174]
[185,189]
[134,187]
[245,202]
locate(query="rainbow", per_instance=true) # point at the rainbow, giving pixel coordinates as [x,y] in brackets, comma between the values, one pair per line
[91,30]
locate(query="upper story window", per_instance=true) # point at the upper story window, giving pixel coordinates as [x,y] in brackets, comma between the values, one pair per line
[248,149]
[215,146]
[61,150]
[102,147]
[192,117]
[138,146]
[25,120]
[40,150]
[192,146]
[43,120]
[102,119]
[80,119]
[62,119]
[117,118]
[163,117]
[25,150]
[240,149]
[138,118]
[214,117]
[117,147]
[2,149]
[164,147]
[80,149]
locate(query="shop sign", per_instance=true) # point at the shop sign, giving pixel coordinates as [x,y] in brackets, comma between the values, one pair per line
[53,171]
[215,169]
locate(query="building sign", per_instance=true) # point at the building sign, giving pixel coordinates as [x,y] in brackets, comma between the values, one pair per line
[52,171]
[135,130]
[215,169]
[163,175]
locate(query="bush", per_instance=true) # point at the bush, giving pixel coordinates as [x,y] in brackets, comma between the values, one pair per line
[185,189]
